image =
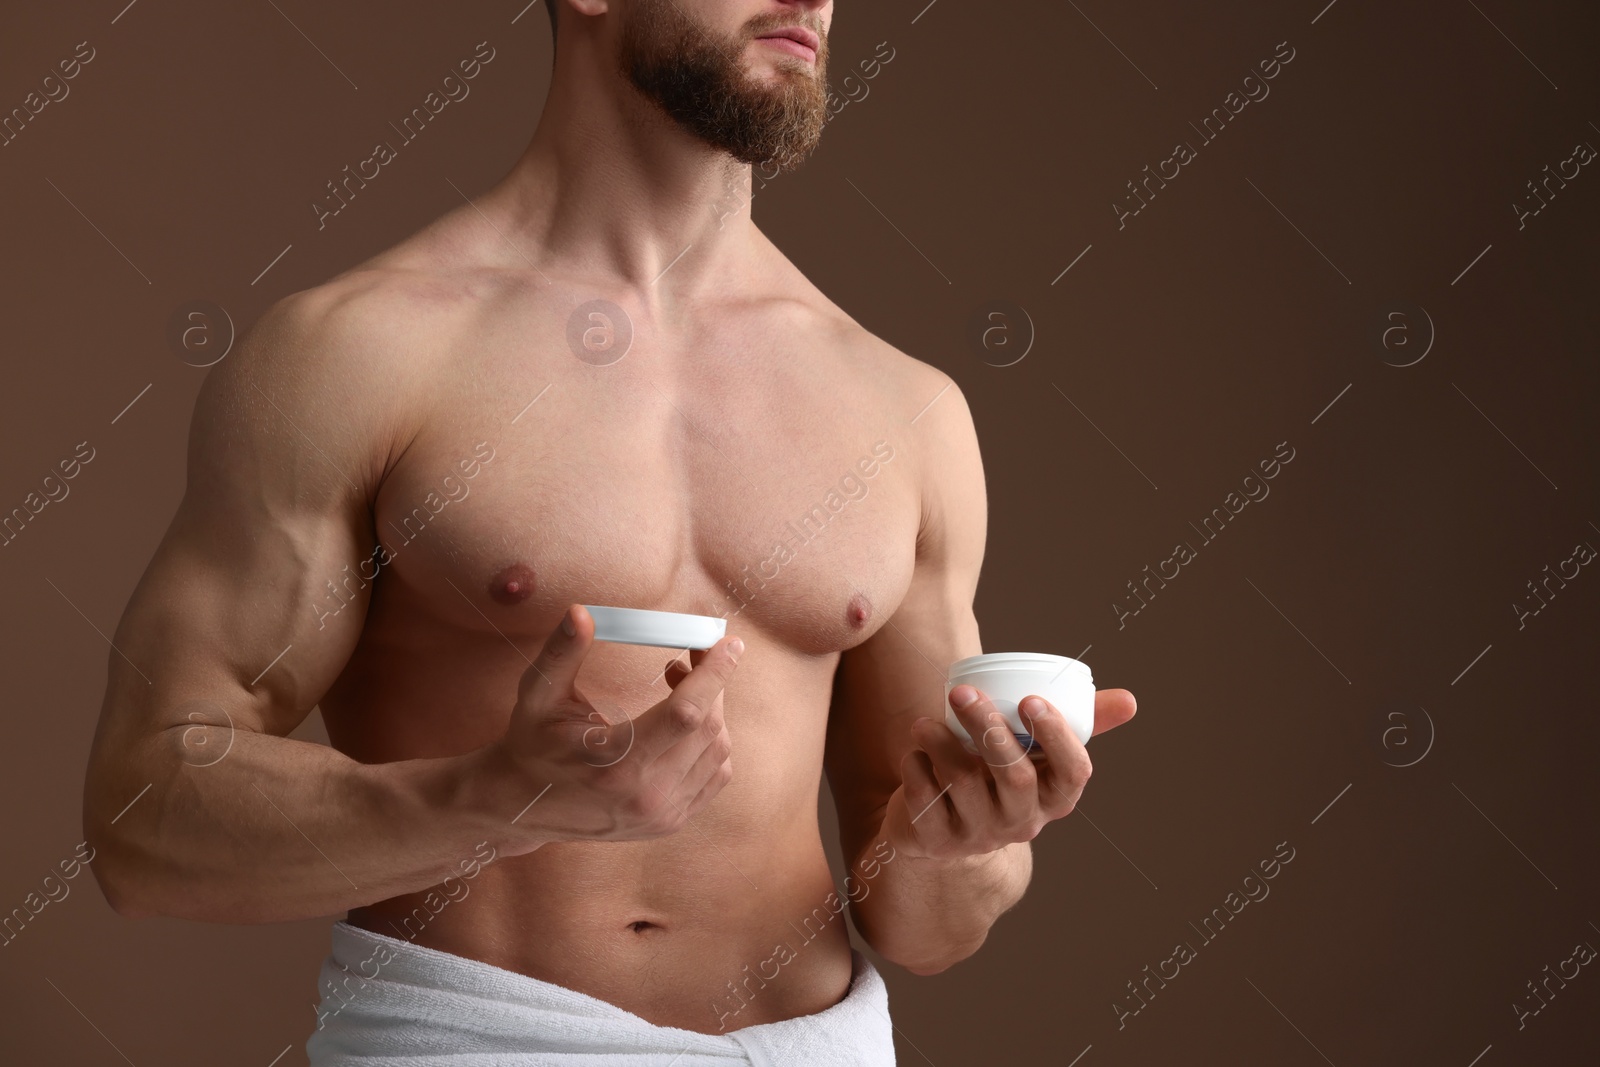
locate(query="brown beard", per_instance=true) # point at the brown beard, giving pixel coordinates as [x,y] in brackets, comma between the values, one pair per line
[697,79]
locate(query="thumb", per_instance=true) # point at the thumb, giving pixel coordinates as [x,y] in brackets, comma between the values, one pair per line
[553,674]
[677,670]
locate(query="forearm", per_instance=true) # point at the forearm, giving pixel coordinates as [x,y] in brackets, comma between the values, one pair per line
[928,914]
[279,829]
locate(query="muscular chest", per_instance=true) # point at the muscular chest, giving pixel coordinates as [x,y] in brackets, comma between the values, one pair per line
[775,490]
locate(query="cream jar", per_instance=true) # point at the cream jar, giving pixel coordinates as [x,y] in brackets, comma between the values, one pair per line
[1006,678]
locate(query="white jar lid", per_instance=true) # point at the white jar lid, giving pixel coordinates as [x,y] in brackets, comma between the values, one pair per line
[663,629]
[1019,660]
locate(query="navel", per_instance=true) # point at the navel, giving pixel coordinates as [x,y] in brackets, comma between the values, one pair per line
[858,611]
[512,585]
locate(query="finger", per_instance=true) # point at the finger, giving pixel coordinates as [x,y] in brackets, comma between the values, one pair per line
[997,744]
[1066,768]
[606,742]
[927,805]
[1011,811]
[702,767]
[955,767]
[721,775]
[1015,777]
[693,758]
[677,670]
[993,737]
[1112,707]
[552,674]
[691,702]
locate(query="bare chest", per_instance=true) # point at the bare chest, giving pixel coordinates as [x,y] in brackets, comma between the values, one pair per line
[747,476]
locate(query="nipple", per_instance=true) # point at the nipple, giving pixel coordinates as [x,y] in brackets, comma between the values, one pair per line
[512,585]
[858,611]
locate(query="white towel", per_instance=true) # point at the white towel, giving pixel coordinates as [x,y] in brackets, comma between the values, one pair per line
[391,1003]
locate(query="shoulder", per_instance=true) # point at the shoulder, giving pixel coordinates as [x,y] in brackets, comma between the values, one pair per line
[365,320]
[340,369]
[924,410]
[911,388]
[922,401]
[397,315]
[936,421]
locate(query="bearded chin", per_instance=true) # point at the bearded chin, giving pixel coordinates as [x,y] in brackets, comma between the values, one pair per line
[698,82]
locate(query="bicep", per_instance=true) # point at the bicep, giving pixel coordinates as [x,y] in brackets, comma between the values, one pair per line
[248,610]
[898,674]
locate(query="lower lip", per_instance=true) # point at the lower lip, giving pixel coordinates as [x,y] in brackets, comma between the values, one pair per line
[793,47]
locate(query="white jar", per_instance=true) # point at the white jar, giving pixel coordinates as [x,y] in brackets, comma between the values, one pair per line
[1006,678]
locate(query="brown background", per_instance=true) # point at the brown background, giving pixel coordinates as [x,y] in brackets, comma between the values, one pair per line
[1176,353]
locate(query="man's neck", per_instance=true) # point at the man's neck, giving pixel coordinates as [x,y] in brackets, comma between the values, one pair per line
[611,187]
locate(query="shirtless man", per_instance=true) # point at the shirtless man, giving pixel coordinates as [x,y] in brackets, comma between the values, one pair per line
[404,485]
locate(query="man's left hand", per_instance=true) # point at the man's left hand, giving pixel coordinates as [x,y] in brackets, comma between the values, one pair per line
[953,804]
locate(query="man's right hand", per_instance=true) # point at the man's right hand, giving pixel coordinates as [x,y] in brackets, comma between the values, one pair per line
[614,778]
